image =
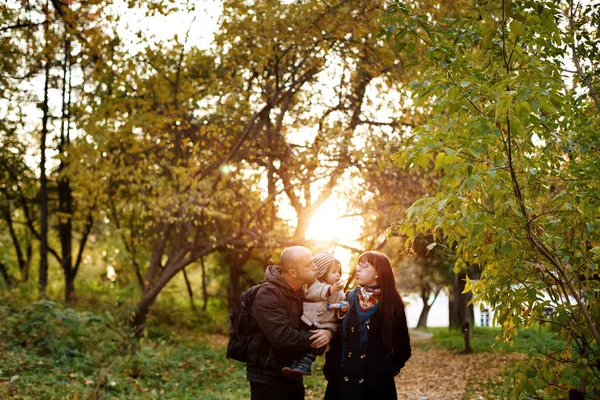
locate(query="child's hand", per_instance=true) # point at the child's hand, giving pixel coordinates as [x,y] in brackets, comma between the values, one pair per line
[336,287]
[344,308]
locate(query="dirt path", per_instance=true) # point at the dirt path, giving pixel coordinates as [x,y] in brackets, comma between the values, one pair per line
[433,373]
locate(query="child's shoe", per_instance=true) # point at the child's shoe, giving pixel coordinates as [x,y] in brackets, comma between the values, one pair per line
[298,369]
[304,366]
[290,372]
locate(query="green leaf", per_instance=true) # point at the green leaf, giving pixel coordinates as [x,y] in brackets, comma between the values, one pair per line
[516,27]
[503,104]
[506,248]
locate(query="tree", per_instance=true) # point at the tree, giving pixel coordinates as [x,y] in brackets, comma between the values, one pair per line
[54,41]
[427,273]
[16,178]
[322,61]
[173,182]
[515,137]
[311,84]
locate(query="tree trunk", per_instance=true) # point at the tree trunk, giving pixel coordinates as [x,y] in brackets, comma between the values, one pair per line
[467,338]
[43,275]
[423,317]
[189,290]
[425,294]
[459,311]
[29,253]
[236,262]
[465,312]
[204,291]
[23,267]
[302,227]
[5,276]
[233,290]
[138,321]
[65,198]
[66,232]
[70,296]
[151,292]
[158,276]
[453,305]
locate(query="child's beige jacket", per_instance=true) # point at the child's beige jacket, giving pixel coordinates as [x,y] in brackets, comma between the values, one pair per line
[315,306]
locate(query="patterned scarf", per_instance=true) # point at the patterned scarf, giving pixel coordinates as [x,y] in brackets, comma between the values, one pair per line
[368,296]
[364,306]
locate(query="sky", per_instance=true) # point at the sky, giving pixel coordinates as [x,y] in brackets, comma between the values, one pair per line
[201,23]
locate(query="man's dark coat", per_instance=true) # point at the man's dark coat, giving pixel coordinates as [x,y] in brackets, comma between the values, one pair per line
[278,335]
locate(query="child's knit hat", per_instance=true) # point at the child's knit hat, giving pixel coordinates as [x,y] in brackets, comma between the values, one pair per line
[323,260]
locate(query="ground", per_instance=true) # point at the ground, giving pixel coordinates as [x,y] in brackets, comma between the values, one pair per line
[433,373]
[196,367]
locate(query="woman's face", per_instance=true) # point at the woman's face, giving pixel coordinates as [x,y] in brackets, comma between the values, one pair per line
[366,274]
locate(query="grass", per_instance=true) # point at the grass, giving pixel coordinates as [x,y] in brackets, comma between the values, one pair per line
[51,352]
[187,370]
[483,339]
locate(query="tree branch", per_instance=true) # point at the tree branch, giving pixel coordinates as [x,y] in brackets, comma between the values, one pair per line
[587,82]
[22,25]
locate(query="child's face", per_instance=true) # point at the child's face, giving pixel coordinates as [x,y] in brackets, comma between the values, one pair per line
[333,274]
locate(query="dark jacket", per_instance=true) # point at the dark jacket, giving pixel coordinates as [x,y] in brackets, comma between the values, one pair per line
[278,335]
[368,370]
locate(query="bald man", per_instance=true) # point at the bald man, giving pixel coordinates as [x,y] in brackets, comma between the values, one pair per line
[277,336]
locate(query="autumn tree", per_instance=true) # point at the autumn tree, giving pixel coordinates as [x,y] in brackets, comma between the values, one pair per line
[515,136]
[321,60]
[18,185]
[175,183]
[57,42]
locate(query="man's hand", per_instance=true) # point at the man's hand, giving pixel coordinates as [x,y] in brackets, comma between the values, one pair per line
[336,287]
[320,337]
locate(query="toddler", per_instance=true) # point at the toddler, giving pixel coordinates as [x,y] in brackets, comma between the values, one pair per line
[324,304]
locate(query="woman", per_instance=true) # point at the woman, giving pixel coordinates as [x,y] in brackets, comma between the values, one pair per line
[372,343]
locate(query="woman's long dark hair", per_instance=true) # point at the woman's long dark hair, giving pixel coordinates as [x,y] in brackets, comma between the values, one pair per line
[390,299]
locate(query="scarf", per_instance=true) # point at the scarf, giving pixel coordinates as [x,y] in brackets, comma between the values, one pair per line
[364,308]
[368,297]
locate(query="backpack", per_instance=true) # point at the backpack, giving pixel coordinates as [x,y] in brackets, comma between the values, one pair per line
[240,335]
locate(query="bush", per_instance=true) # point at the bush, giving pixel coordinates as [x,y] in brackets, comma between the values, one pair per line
[50,351]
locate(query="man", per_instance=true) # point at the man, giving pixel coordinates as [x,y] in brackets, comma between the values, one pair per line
[277,338]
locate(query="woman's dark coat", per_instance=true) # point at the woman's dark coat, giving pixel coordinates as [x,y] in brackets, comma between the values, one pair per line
[368,370]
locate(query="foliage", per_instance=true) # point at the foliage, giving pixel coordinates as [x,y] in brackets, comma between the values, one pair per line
[515,135]
[63,352]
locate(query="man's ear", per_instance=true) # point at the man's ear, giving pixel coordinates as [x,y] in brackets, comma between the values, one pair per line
[292,273]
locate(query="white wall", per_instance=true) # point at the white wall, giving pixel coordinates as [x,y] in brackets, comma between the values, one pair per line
[438,315]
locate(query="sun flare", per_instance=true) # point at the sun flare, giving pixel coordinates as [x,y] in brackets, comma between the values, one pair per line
[330,225]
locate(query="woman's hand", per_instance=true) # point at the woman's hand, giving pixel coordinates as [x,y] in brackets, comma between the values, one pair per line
[344,307]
